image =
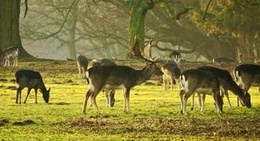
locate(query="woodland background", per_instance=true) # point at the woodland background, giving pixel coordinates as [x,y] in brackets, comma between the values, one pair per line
[199,29]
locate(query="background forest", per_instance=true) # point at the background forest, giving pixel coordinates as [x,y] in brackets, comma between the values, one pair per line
[199,29]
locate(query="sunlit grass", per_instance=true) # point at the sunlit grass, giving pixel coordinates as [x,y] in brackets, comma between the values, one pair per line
[155,113]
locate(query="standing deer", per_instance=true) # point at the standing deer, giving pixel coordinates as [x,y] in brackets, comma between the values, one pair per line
[200,81]
[176,56]
[82,63]
[9,54]
[171,74]
[116,76]
[247,75]
[31,80]
[109,93]
[226,83]
[119,76]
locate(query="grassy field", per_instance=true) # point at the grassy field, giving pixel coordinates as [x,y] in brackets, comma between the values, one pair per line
[155,112]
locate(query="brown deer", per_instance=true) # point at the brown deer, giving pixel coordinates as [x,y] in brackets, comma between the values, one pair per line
[247,75]
[82,63]
[11,54]
[171,74]
[109,93]
[200,81]
[116,76]
[119,76]
[31,80]
[226,83]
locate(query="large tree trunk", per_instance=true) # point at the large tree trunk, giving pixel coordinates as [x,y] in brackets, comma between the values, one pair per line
[138,12]
[9,26]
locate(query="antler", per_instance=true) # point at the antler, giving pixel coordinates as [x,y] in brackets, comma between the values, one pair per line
[137,51]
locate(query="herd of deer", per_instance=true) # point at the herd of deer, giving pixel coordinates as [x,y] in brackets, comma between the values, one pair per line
[105,75]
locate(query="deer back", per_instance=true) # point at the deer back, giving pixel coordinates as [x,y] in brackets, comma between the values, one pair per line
[115,76]
[102,62]
[199,80]
[247,73]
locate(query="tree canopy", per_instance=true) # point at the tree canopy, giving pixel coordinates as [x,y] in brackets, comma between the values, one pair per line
[106,28]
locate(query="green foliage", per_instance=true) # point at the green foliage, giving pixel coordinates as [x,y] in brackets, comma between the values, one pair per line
[155,112]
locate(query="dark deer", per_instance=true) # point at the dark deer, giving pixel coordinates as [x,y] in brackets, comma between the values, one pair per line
[118,76]
[31,80]
[82,63]
[247,75]
[11,54]
[200,81]
[171,74]
[176,56]
[109,93]
[227,83]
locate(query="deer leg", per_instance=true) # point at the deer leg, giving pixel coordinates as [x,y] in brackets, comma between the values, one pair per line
[164,82]
[192,101]
[201,102]
[18,95]
[93,99]
[35,96]
[88,94]
[28,92]
[218,100]
[126,107]
[227,96]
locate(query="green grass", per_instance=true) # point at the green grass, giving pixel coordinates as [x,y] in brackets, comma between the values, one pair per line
[155,112]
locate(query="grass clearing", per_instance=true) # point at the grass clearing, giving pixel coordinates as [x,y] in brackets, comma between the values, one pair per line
[155,112]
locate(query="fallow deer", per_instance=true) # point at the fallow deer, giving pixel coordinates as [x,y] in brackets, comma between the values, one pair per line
[119,76]
[247,75]
[31,80]
[82,63]
[171,74]
[11,54]
[109,93]
[226,83]
[200,81]
[116,76]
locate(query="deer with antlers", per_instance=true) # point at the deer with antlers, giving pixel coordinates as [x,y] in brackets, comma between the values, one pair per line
[118,76]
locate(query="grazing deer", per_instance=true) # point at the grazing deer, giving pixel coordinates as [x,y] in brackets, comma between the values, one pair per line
[226,83]
[9,54]
[82,63]
[109,93]
[31,80]
[200,81]
[247,75]
[171,74]
[176,56]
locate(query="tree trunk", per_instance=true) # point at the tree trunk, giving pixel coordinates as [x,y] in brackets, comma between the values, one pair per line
[72,37]
[138,12]
[9,26]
